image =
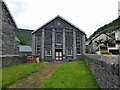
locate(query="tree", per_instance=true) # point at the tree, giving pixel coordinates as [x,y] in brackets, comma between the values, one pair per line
[22,40]
[100,41]
[107,41]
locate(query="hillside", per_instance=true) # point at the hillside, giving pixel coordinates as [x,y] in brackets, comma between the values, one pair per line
[25,36]
[114,25]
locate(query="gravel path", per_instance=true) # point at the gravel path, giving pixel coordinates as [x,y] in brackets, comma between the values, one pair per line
[37,79]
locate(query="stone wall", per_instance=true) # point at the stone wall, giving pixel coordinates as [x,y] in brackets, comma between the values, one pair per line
[0,27]
[105,69]
[7,31]
[9,60]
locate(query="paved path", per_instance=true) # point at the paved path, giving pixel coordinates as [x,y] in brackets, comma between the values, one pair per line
[37,79]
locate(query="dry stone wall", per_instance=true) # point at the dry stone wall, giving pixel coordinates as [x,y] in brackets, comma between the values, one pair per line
[9,60]
[106,69]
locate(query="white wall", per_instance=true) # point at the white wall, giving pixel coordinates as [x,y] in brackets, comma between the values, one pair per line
[117,35]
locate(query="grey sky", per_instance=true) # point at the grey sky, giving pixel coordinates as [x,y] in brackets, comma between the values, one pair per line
[88,15]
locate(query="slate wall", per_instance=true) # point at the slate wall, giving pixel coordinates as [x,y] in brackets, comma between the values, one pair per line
[7,32]
[9,60]
[106,69]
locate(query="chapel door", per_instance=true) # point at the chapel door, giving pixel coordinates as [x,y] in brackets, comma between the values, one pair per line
[58,55]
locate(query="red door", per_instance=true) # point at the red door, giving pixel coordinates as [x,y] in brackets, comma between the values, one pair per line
[58,55]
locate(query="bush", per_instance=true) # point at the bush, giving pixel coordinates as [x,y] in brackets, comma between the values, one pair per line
[106,52]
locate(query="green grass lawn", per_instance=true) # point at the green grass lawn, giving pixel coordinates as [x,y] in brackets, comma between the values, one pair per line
[14,73]
[72,75]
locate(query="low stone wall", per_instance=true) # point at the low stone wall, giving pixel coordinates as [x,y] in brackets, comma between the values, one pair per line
[105,69]
[9,60]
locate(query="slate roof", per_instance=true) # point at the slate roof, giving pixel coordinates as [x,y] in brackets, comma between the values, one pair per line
[16,39]
[63,20]
[98,36]
[23,48]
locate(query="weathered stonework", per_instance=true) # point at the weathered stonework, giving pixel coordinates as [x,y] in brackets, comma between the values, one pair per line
[74,45]
[42,49]
[106,69]
[0,27]
[8,34]
[9,60]
[53,44]
[58,34]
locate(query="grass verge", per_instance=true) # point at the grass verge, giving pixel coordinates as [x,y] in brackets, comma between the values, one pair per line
[14,73]
[72,75]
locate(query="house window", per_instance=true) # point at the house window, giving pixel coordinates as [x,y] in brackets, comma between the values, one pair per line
[38,48]
[38,38]
[78,42]
[48,53]
[58,38]
[29,58]
[69,52]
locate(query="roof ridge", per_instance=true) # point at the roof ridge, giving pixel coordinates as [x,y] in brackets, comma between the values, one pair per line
[58,16]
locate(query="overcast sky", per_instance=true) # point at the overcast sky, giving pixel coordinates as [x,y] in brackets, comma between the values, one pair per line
[88,15]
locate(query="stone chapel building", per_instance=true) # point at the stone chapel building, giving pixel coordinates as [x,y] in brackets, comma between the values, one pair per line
[7,31]
[58,40]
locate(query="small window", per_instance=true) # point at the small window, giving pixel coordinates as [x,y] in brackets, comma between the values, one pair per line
[29,58]
[38,38]
[69,52]
[48,52]
[38,48]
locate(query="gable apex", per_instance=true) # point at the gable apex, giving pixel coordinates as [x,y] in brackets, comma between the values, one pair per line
[60,17]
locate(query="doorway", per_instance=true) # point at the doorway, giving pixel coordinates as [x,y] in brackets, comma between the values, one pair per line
[59,55]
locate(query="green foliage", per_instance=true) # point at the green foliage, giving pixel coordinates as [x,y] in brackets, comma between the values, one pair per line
[98,47]
[14,73]
[22,40]
[99,41]
[107,41]
[24,36]
[72,75]
[115,25]
[105,52]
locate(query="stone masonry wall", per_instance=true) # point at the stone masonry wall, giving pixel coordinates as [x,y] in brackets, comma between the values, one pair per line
[8,28]
[9,60]
[105,69]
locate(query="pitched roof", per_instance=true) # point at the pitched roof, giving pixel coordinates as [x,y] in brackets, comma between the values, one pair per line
[63,20]
[16,39]
[98,36]
[11,17]
[23,48]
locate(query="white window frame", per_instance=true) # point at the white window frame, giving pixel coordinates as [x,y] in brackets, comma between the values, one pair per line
[46,53]
[58,44]
[30,58]
[69,52]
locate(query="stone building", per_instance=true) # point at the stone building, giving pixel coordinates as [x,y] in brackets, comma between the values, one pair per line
[58,40]
[7,28]
[93,45]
